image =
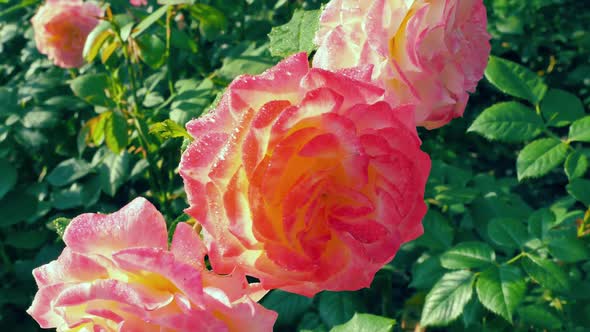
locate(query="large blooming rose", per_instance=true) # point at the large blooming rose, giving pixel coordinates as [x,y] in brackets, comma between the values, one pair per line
[61,28]
[429,53]
[305,178]
[117,274]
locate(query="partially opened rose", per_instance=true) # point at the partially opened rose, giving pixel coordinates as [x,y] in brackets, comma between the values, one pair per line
[429,53]
[117,274]
[61,28]
[305,179]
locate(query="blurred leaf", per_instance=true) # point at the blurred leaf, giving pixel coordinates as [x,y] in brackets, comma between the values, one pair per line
[8,178]
[153,50]
[148,21]
[40,119]
[15,207]
[445,302]
[68,171]
[115,130]
[60,225]
[212,20]
[580,190]
[546,273]
[508,122]
[537,316]
[501,289]
[580,130]
[569,250]
[366,323]
[27,239]
[114,172]
[93,89]
[467,255]
[168,129]
[576,165]
[473,312]
[560,108]
[426,273]
[289,306]
[515,80]
[540,157]
[68,198]
[338,307]
[96,39]
[438,234]
[297,35]
[508,232]
[245,59]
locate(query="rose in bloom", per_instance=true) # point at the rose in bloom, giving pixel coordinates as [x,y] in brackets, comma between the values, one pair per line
[305,178]
[117,274]
[429,53]
[61,28]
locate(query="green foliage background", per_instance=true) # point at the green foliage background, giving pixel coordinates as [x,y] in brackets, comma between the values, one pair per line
[506,238]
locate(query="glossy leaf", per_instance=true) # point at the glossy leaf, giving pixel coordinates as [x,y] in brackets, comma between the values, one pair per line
[501,289]
[508,122]
[468,255]
[297,35]
[515,80]
[540,157]
[445,302]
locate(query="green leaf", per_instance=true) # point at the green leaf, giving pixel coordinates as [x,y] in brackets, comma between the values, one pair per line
[366,323]
[93,89]
[169,129]
[212,21]
[297,35]
[580,130]
[152,50]
[467,255]
[539,317]
[290,307]
[515,80]
[96,39]
[8,178]
[68,171]
[580,190]
[560,108]
[338,307]
[245,59]
[148,21]
[17,206]
[508,122]
[540,157]
[68,198]
[540,222]
[508,232]
[546,273]
[115,130]
[114,171]
[569,250]
[27,239]
[40,119]
[60,225]
[426,273]
[576,165]
[438,234]
[445,302]
[501,289]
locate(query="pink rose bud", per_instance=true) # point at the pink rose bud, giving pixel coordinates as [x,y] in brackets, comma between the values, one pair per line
[117,274]
[305,178]
[428,53]
[61,28]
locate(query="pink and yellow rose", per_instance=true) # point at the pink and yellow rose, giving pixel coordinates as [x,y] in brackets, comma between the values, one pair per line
[117,274]
[61,28]
[305,178]
[429,53]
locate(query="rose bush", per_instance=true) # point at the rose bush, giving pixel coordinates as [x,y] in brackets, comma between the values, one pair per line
[61,28]
[117,274]
[426,53]
[305,178]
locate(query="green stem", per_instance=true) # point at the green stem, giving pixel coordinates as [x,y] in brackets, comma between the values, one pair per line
[516,258]
[5,259]
[167,54]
